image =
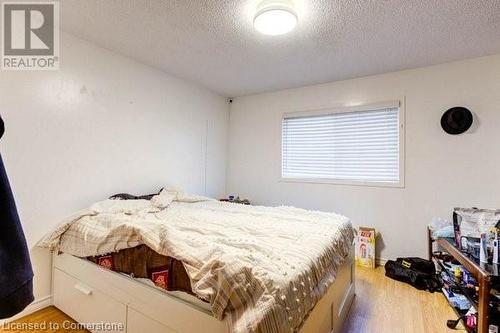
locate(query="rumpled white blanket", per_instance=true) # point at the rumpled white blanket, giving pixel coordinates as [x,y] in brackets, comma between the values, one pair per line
[263,267]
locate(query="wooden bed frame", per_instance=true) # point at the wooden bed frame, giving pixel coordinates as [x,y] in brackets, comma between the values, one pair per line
[91,294]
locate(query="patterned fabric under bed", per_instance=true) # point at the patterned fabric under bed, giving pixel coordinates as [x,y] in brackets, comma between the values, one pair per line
[142,262]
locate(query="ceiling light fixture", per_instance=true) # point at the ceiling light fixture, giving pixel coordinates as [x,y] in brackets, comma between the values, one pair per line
[275,17]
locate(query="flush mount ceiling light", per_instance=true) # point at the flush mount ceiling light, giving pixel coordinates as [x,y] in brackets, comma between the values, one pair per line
[275,17]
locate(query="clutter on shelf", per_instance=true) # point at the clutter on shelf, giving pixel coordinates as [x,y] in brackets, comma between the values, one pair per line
[475,232]
[469,269]
[236,199]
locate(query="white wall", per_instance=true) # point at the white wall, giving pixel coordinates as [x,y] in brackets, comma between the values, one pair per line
[100,125]
[442,171]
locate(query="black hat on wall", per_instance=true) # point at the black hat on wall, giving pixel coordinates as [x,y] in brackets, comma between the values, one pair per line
[457,120]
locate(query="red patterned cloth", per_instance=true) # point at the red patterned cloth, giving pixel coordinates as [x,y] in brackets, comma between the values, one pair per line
[106,262]
[160,278]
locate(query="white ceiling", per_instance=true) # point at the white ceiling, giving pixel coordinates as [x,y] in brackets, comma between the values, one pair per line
[212,42]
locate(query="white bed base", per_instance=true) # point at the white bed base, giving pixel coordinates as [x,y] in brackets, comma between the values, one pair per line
[91,294]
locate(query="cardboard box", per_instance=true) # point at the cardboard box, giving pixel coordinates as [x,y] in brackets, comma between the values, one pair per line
[365,247]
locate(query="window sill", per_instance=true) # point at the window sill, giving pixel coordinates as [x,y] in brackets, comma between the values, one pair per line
[325,181]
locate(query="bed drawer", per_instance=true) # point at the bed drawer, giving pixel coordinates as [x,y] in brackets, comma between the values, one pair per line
[86,304]
[139,323]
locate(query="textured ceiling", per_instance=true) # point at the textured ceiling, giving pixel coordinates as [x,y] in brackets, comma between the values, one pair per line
[212,42]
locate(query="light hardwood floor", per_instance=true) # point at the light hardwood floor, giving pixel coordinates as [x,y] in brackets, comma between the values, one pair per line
[48,316]
[381,305]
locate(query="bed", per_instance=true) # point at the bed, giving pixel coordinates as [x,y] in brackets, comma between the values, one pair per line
[250,268]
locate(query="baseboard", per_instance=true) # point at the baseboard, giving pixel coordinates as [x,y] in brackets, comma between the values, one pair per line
[36,305]
[381,261]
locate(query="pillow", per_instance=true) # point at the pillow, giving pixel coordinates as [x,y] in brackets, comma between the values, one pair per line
[167,195]
[163,199]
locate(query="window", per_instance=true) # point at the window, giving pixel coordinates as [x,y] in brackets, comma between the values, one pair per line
[352,145]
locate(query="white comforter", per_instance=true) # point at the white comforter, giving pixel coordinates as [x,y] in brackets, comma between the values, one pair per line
[263,267]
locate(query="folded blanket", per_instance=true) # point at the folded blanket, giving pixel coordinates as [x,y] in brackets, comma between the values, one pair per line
[263,267]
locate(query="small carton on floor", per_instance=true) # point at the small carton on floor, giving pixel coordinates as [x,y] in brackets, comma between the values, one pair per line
[365,247]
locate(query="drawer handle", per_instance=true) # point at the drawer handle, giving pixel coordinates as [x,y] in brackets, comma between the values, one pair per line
[83,289]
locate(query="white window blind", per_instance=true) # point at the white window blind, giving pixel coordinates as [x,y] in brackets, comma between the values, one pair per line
[357,146]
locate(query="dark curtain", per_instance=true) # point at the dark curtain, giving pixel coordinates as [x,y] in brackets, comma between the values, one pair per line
[16,274]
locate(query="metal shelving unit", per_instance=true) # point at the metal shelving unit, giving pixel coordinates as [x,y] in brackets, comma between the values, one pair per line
[484,274]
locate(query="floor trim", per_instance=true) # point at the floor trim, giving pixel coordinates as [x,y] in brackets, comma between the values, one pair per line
[36,305]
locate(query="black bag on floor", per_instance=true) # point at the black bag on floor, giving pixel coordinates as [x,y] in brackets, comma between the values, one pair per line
[418,272]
